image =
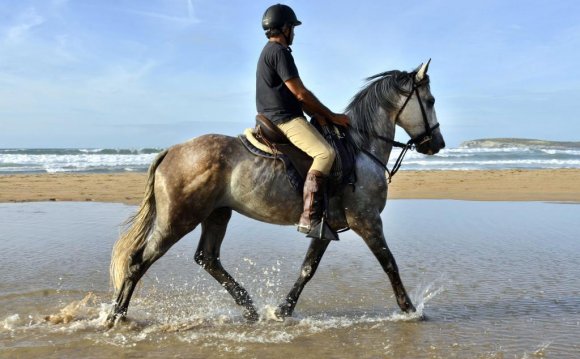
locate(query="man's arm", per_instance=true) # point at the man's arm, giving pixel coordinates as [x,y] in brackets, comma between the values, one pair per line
[311,104]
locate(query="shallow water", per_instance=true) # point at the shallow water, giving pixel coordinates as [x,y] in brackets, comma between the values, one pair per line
[495,280]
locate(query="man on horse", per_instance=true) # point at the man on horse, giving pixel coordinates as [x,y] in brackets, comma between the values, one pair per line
[282,98]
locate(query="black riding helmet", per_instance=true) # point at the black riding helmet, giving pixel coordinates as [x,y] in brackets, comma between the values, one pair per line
[277,16]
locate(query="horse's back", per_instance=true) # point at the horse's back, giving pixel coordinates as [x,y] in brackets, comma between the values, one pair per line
[213,171]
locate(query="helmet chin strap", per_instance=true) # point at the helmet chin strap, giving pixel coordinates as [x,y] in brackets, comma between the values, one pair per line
[287,38]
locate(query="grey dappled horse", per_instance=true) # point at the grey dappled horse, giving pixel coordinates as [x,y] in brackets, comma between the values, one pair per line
[203,180]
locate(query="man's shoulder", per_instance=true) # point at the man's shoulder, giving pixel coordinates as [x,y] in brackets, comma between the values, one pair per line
[272,47]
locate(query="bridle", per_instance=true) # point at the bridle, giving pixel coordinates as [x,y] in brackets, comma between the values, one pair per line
[426,136]
[413,142]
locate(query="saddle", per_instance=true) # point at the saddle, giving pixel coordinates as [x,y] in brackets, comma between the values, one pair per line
[267,140]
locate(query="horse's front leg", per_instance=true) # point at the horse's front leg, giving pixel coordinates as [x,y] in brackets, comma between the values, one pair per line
[309,266]
[371,230]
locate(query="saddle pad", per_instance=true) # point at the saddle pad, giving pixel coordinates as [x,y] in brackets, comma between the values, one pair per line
[250,136]
[293,176]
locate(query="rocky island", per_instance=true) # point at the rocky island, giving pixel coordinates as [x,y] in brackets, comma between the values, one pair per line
[519,142]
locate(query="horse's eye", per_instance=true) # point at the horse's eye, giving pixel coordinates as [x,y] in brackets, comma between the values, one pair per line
[431,101]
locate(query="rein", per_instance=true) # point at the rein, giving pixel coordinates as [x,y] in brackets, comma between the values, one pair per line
[411,144]
[405,147]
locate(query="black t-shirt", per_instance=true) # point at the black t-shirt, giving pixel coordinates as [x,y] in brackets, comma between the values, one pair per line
[273,99]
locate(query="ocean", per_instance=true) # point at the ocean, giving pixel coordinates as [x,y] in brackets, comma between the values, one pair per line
[471,156]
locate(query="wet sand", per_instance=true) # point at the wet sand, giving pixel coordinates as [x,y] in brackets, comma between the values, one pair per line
[500,185]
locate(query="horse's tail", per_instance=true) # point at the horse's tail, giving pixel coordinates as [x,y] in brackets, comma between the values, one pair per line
[140,226]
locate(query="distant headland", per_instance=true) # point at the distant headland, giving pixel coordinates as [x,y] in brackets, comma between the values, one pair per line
[518,142]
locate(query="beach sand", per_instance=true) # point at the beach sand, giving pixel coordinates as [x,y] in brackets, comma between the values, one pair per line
[501,185]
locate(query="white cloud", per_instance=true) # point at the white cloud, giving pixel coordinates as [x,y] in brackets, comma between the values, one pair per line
[58,3]
[62,51]
[188,18]
[121,80]
[182,20]
[26,21]
[190,11]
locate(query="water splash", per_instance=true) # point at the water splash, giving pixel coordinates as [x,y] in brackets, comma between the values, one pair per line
[76,310]
[268,313]
[87,313]
[540,352]
[11,322]
[420,296]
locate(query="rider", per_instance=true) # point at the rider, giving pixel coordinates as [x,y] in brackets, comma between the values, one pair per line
[282,98]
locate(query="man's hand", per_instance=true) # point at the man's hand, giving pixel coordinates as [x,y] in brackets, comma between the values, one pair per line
[340,119]
[312,105]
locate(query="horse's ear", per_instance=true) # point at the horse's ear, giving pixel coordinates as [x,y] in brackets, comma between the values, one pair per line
[416,71]
[421,71]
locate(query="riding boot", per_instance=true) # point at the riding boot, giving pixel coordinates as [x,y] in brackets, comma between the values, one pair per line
[312,220]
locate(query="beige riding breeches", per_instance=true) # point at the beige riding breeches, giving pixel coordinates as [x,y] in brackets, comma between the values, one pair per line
[304,136]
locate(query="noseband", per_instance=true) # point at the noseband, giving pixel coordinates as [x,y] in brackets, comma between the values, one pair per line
[413,142]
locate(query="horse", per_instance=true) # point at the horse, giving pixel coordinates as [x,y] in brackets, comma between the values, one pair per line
[201,181]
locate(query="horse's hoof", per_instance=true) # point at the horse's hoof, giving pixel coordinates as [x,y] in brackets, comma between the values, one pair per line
[251,315]
[109,324]
[283,311]
[110,321]
[406,306]
[113,319]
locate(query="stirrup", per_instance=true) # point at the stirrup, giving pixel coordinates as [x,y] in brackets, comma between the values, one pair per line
[322,231]
[303,229]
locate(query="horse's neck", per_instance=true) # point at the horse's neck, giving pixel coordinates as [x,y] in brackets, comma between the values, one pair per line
[380,148]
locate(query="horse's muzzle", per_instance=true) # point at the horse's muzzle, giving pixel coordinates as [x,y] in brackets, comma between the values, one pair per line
[432,144]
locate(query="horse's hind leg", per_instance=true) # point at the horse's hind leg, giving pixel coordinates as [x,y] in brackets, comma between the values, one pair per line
[309,266]
[208,256]
[141,259]
[371,230]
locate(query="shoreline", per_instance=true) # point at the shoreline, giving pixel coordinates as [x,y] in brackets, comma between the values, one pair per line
[561,185]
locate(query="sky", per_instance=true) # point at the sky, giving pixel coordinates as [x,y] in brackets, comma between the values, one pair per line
[136,74]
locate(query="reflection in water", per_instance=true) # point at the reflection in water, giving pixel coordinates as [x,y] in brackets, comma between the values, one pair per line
[493,280]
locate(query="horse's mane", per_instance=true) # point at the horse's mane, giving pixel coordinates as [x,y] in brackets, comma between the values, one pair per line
[381,91]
